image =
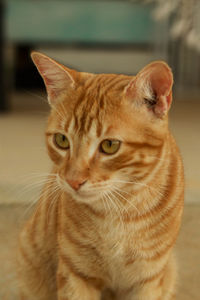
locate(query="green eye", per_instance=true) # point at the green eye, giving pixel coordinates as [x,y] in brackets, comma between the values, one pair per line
[109,146]
[61,141]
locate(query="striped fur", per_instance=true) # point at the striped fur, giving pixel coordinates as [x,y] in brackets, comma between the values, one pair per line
[117,231]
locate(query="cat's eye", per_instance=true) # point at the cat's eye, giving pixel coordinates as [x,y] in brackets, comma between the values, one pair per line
[110,146]
[61,141]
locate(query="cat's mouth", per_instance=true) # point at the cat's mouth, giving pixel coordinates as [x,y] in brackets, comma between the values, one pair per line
[84,193]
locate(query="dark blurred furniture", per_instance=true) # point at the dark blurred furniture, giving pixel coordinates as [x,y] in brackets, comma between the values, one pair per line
[3,102]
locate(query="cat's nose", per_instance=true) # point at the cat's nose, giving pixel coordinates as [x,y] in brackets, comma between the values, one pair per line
[76,184]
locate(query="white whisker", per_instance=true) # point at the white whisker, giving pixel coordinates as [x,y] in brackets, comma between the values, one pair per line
[128,201]
[53,201]
[116,206]
[142,184]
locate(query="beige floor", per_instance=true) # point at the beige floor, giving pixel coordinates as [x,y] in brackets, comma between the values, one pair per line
[23,157]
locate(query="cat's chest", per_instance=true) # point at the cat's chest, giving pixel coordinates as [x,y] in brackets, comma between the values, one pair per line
[115,242]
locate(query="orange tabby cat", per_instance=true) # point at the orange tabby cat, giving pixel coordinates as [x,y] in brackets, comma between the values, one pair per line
[110,211]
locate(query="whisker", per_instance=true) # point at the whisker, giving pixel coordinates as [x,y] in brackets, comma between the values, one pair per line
[139,184]
[32,176]
[157,158]
[32,186]
[30,206]
[128,201]
[39,96]
[118,194]
[109,202]
[106,203]
[116,206]
[53,201]
[120,190]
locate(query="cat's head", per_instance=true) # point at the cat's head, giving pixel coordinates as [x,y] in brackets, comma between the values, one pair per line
[105,132]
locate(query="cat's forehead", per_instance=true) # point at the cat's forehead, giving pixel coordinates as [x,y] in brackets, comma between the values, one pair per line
[97,108]
[92,105]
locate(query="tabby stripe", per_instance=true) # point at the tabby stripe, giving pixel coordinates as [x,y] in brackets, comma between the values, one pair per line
[101,102]
[33,233]
[90,82]
[76,108]
[112,83]
[67,261]
[28,260]
[142,175]
[152,172]
[166,222]
[173,296]
[61,280]
[160,153]
[119,162]
[69,210]
[139,145]
[97,89]
[68,122]
[38,228]
[146,280]
[106,82]
[49,133]
[153,138]
[98,283]
[152,278]
[76,224]
[146,168]
[160,245]
[51,212]
[160,283]
[94,212]
[175,205]
[130,261]
[89,124]
[78,243]
[55,156]
[164,251]
[82,122]
[141,164]
[163,201]
[99,127]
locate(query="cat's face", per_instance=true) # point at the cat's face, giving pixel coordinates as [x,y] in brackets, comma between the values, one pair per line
[102,137]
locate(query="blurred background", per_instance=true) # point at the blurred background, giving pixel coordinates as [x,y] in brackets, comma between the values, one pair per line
[109,36]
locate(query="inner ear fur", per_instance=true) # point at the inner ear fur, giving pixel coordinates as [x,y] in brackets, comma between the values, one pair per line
[57,78]
[153,86]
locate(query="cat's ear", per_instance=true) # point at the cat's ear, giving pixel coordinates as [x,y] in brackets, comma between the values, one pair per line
[153,87]
[57,78]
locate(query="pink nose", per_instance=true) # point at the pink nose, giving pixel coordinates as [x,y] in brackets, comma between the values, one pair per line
[76,184]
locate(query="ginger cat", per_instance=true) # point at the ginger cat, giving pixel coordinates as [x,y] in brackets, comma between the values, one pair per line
[110,211]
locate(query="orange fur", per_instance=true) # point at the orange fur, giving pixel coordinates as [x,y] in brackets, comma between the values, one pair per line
[106,222]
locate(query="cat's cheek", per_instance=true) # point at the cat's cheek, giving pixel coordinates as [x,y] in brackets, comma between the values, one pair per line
[56,156]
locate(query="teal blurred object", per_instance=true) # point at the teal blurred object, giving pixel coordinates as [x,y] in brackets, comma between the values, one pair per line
[43,21]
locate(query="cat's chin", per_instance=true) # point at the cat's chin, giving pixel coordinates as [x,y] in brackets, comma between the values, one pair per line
[82,196]
[87,199]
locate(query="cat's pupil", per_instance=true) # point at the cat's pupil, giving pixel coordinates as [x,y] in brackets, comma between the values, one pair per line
[109,143]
